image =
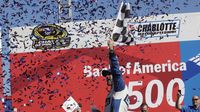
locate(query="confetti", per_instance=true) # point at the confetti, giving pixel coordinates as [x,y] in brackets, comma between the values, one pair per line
[44,77]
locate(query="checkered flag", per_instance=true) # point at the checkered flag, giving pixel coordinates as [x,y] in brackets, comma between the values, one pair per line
[120,33]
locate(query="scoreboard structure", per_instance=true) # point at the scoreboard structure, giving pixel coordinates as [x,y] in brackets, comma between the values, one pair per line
[163,58]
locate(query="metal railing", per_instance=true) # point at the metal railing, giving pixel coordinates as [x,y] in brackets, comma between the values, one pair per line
[65,11]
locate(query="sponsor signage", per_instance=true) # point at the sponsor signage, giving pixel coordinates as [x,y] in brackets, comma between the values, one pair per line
[49,36]
[164,59]
[150,29]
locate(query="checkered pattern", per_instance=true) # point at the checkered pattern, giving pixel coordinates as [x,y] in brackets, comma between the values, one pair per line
[120,33]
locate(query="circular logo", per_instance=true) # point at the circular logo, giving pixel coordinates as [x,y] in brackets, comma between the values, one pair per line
[49,36]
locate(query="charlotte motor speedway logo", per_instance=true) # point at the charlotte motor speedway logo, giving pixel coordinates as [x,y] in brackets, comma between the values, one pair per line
[49,36]
[151,29]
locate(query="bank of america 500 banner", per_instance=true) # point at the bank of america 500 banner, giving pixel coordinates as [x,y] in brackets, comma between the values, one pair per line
[50,63]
